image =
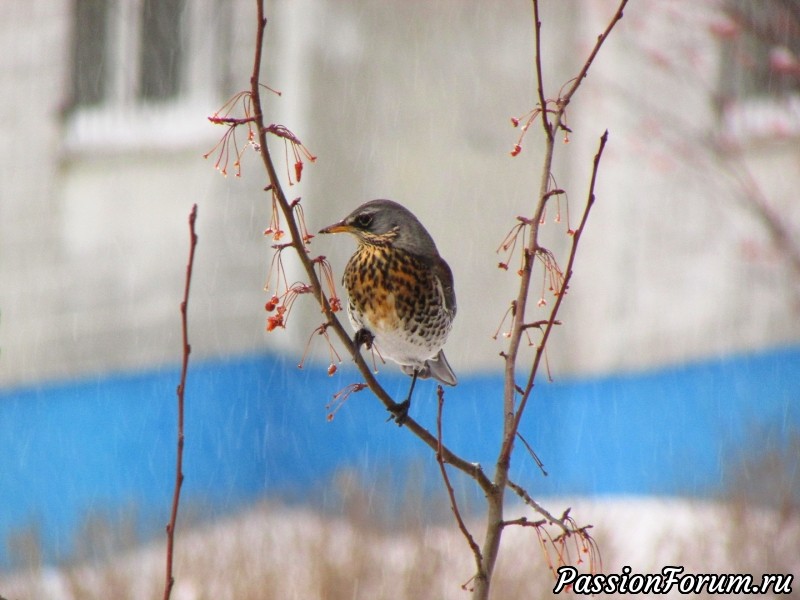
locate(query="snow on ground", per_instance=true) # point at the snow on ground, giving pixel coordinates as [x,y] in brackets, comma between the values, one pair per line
[274,551]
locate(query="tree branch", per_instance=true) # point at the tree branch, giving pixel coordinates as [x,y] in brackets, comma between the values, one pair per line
[187,349]
[565,99]
[537,30]
[576,237]
[476,551]
[526,497]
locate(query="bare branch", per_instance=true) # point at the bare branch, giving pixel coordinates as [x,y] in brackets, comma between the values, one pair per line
[187,349]
[537,23]
[532,453]
[526,497]
[565,99]
[576,236]
[476,551]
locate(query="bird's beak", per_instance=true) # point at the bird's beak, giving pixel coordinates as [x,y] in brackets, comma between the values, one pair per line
[340,227]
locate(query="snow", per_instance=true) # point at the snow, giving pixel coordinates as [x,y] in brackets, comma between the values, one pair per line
[275,551]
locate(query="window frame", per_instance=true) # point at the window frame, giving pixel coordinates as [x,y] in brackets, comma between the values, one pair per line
[122,120]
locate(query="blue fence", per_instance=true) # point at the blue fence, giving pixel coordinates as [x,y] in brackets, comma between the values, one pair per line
[256,425]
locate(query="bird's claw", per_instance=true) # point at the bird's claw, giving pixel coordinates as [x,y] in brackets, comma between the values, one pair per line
[399,412]
[363,337]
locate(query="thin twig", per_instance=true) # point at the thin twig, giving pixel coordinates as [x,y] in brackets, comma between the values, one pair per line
[537,24]
[532,453]
[526,497]
[187,349]
[476,551]
[565,99]
[501,480]
[230,120]
[576,237]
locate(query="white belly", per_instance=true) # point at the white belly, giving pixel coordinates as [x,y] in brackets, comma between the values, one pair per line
[401,347]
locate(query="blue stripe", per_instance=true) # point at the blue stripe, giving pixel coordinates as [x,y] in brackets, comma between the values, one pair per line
[257,425]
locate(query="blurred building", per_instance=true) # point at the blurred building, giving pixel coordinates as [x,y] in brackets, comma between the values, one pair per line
[690,253]
[105,127]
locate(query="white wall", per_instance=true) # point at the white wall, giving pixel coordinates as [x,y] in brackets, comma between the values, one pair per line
[31,280]
[402,101]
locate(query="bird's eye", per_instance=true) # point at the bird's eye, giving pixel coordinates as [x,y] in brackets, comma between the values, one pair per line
[364,220]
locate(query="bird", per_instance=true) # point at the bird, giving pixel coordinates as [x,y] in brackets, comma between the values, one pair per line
[400,292]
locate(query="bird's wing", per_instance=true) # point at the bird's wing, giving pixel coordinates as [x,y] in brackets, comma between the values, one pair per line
[442,272]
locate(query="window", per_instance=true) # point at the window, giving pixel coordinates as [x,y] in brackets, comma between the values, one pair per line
[760,75]
[142,71]
[89,69]
[160,58]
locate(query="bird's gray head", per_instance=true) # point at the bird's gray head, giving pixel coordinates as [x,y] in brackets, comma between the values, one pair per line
[379,222]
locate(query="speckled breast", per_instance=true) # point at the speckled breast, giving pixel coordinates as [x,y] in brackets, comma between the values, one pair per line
[397,297]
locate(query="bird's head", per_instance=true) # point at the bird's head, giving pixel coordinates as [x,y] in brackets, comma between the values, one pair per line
[384,222]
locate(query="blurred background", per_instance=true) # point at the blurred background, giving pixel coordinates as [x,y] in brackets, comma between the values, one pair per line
[675,374]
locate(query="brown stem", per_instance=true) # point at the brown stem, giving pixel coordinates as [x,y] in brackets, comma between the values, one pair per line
[565,99]
[518,324]
[495,500]
[230,120]
[537,24]
[564,286]
[526,497]
[187,349]
[476,551]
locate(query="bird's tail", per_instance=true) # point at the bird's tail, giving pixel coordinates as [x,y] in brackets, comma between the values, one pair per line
[438,368]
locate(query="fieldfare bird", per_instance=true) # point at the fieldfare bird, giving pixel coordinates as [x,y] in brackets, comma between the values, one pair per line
[400,291]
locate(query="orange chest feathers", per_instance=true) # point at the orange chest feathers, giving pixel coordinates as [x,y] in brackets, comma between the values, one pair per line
[387,287]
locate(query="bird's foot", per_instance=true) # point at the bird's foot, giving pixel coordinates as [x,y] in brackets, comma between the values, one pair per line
[400,412]
[363,337]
